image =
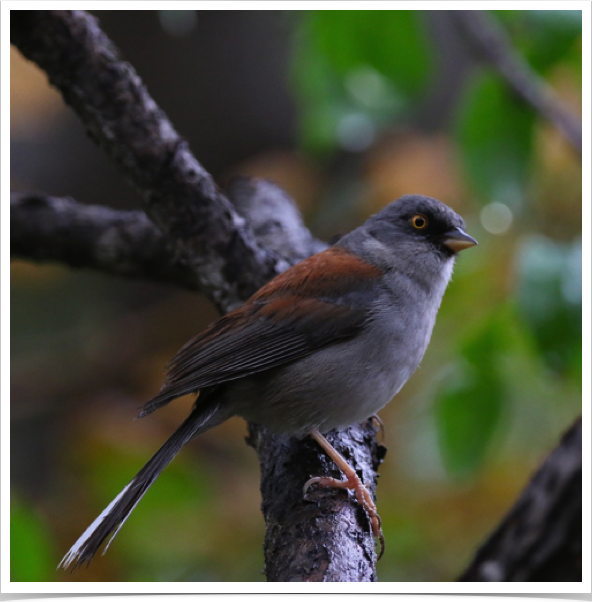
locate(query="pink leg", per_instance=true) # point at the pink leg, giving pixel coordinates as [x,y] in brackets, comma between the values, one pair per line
[351,481]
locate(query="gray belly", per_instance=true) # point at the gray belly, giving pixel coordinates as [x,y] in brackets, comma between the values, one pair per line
[338,386]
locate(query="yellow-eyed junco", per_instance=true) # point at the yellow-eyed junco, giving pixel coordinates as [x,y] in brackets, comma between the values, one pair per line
[323,345]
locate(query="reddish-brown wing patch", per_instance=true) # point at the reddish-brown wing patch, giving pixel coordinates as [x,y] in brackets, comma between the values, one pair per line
[326,274]
[322,300]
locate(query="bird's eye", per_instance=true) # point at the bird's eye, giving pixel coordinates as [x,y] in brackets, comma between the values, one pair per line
[419,222]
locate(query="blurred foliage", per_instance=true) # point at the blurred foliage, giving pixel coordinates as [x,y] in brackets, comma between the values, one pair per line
[501,379]
[546,37]
[471,399]
[354,71]
[550,300]
[494,135]
[31,544]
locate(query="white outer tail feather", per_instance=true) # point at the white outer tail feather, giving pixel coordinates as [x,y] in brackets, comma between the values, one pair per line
[74,551]
[200,420]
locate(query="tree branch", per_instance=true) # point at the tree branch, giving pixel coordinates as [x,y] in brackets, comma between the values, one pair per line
[492,44]
[323,537]
[125,243]
[179,196]
[541,537]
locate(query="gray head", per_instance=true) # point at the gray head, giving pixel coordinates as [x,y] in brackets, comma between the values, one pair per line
[412,228]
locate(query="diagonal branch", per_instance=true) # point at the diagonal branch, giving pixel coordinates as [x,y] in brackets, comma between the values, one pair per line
[492,44]
[179,196]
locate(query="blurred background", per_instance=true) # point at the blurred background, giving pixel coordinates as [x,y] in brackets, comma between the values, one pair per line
[346,111]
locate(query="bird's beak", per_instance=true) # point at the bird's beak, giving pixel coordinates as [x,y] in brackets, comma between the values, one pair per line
[457,240]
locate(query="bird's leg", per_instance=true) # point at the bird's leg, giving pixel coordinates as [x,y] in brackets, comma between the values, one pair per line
[351,481]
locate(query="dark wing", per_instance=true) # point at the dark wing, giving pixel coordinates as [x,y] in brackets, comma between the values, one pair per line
[316,303]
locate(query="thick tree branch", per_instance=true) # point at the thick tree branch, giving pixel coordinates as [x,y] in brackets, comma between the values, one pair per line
[323,537]
[179,196]
[492,45]
[541,537]
[274,218]
[300,531]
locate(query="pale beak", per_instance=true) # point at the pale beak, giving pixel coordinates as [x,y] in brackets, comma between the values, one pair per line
[457,240]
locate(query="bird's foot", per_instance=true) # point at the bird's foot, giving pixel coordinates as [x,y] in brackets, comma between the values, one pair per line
[363,496]
[352,481]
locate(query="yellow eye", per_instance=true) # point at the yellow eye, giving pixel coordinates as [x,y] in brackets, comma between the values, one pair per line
[419,222]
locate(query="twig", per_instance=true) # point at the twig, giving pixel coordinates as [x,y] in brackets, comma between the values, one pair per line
[492,44]
[125,243]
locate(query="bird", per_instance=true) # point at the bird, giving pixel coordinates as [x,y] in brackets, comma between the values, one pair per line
[323,345]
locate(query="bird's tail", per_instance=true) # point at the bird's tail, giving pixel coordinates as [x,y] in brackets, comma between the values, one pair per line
[117,512]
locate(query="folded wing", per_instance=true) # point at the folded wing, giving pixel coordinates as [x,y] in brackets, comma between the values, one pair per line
[318,302]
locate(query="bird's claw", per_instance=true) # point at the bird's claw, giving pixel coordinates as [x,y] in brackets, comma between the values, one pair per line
[363,496]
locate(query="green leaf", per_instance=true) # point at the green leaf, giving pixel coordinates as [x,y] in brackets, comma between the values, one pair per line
[494,132]
[472,397]
[391,42]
